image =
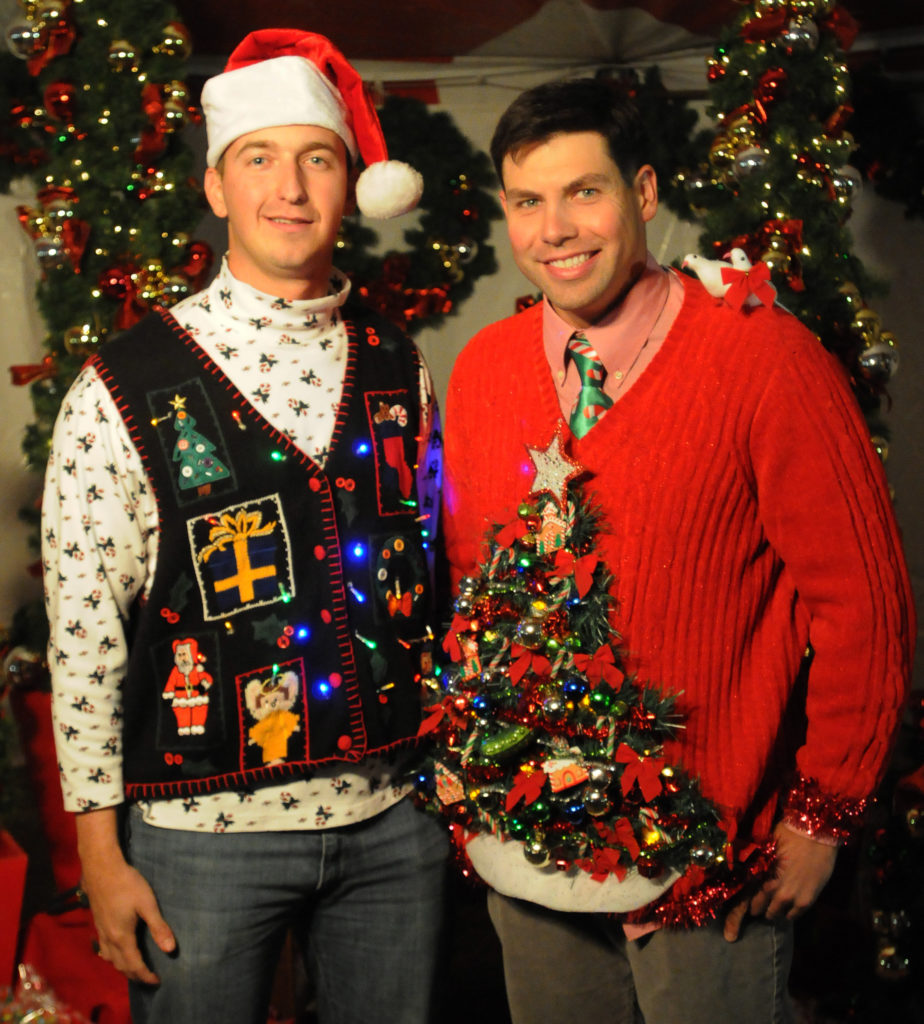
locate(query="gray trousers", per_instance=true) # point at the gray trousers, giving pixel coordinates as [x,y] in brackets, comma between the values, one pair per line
[580,969]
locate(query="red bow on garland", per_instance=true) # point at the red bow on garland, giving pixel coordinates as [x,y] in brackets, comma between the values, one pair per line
[567,564]
[27,373]
[527,661]
[646,771]
[600,667]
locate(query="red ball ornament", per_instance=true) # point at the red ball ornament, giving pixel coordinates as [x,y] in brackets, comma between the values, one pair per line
[771,85]
[198,262]
[59,100]
[117,281]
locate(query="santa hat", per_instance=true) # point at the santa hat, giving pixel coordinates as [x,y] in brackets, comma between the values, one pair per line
[280,76]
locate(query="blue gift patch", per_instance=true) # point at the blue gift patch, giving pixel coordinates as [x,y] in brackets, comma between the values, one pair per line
[242,557]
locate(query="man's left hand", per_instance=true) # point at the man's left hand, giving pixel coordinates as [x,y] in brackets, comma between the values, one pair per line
[803,867]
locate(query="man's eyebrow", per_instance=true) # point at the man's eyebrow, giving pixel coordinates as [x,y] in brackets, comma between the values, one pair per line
[583,181]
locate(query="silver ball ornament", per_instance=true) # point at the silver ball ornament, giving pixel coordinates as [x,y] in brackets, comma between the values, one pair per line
[26,39]
[800,37]
[537,853]
[879,361]
[749,160]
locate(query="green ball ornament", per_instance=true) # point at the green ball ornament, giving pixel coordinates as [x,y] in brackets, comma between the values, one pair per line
[518,828]
[540,810]
[601,701]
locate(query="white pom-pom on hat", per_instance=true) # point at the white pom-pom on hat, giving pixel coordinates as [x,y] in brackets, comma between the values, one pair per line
[388,189]
[262,87]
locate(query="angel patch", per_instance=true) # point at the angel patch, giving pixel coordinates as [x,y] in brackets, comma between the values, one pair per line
[191,440]
[242,557]
[390,430]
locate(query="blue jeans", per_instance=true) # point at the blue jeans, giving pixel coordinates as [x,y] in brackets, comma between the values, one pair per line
[561,968]
[364,903]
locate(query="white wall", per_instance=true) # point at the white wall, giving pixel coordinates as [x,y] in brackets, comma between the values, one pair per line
[892,246]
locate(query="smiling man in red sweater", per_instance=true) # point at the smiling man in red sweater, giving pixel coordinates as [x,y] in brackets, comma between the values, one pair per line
[757,567]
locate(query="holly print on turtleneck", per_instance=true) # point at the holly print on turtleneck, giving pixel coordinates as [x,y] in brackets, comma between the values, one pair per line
[286,357]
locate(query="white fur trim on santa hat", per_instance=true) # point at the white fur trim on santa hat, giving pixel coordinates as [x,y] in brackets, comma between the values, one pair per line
[281,91]
[388,188]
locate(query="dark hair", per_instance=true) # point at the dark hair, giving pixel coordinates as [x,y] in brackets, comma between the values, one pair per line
[574,105]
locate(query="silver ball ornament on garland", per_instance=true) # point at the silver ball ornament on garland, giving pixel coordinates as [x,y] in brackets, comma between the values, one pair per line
[597,802]
[702,855]
[749,160]
[466,250]
[799,38]
[537,853]
[879,362]
[554,709]
[530,633]
[847,180]
[26,39]
[468,585]
[50,253]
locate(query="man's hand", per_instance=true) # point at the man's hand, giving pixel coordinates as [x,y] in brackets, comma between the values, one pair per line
[803,867]
[119,897]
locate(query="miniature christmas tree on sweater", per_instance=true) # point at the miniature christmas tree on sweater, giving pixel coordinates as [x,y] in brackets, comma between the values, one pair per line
[548,757]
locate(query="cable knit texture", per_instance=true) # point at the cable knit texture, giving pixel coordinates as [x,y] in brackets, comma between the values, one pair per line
[747,517]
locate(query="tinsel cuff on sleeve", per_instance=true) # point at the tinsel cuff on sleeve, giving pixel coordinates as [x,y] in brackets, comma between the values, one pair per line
[812,812]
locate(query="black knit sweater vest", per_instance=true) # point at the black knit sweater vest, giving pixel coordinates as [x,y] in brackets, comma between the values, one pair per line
[288,620]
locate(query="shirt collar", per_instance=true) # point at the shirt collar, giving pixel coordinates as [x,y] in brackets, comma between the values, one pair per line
[631,319]
[241,302]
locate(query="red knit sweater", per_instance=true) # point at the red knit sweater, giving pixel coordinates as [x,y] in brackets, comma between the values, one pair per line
[748,517]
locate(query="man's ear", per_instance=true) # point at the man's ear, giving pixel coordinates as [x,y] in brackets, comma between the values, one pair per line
[350,208]
[502,196]
[646,187]
[214,192]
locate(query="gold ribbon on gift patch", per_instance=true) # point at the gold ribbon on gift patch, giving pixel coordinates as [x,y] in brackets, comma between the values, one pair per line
[237,529]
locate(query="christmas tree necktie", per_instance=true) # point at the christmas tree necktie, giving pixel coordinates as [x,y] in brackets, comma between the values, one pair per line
[591,402]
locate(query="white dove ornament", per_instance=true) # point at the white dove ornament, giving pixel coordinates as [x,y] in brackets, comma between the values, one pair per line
[736,280]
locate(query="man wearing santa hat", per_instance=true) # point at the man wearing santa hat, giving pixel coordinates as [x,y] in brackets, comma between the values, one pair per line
[257,539]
